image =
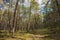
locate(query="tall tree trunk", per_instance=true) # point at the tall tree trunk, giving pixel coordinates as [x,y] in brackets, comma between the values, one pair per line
[58,5]
[13,30]
[2,2]
[9,16]
[29,17]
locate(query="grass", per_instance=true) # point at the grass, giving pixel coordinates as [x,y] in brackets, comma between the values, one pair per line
[24,36]
[43,31]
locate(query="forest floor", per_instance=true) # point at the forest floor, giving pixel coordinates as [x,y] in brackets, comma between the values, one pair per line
[27,36]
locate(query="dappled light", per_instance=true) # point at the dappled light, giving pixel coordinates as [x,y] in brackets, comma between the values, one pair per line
[29,19]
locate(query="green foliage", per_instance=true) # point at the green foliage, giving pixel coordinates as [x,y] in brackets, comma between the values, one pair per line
[28,19]
[52,21]
[34,5]
[4,33]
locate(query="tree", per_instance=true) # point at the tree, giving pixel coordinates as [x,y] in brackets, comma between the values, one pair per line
[13,30]
[52,19]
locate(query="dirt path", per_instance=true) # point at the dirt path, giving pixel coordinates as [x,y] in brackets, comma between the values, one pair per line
[28,37]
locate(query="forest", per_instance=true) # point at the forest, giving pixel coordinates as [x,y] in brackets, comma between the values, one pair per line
[29,19]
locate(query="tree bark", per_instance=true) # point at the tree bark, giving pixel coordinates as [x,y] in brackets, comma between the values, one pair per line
[58,5]
[13,30]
